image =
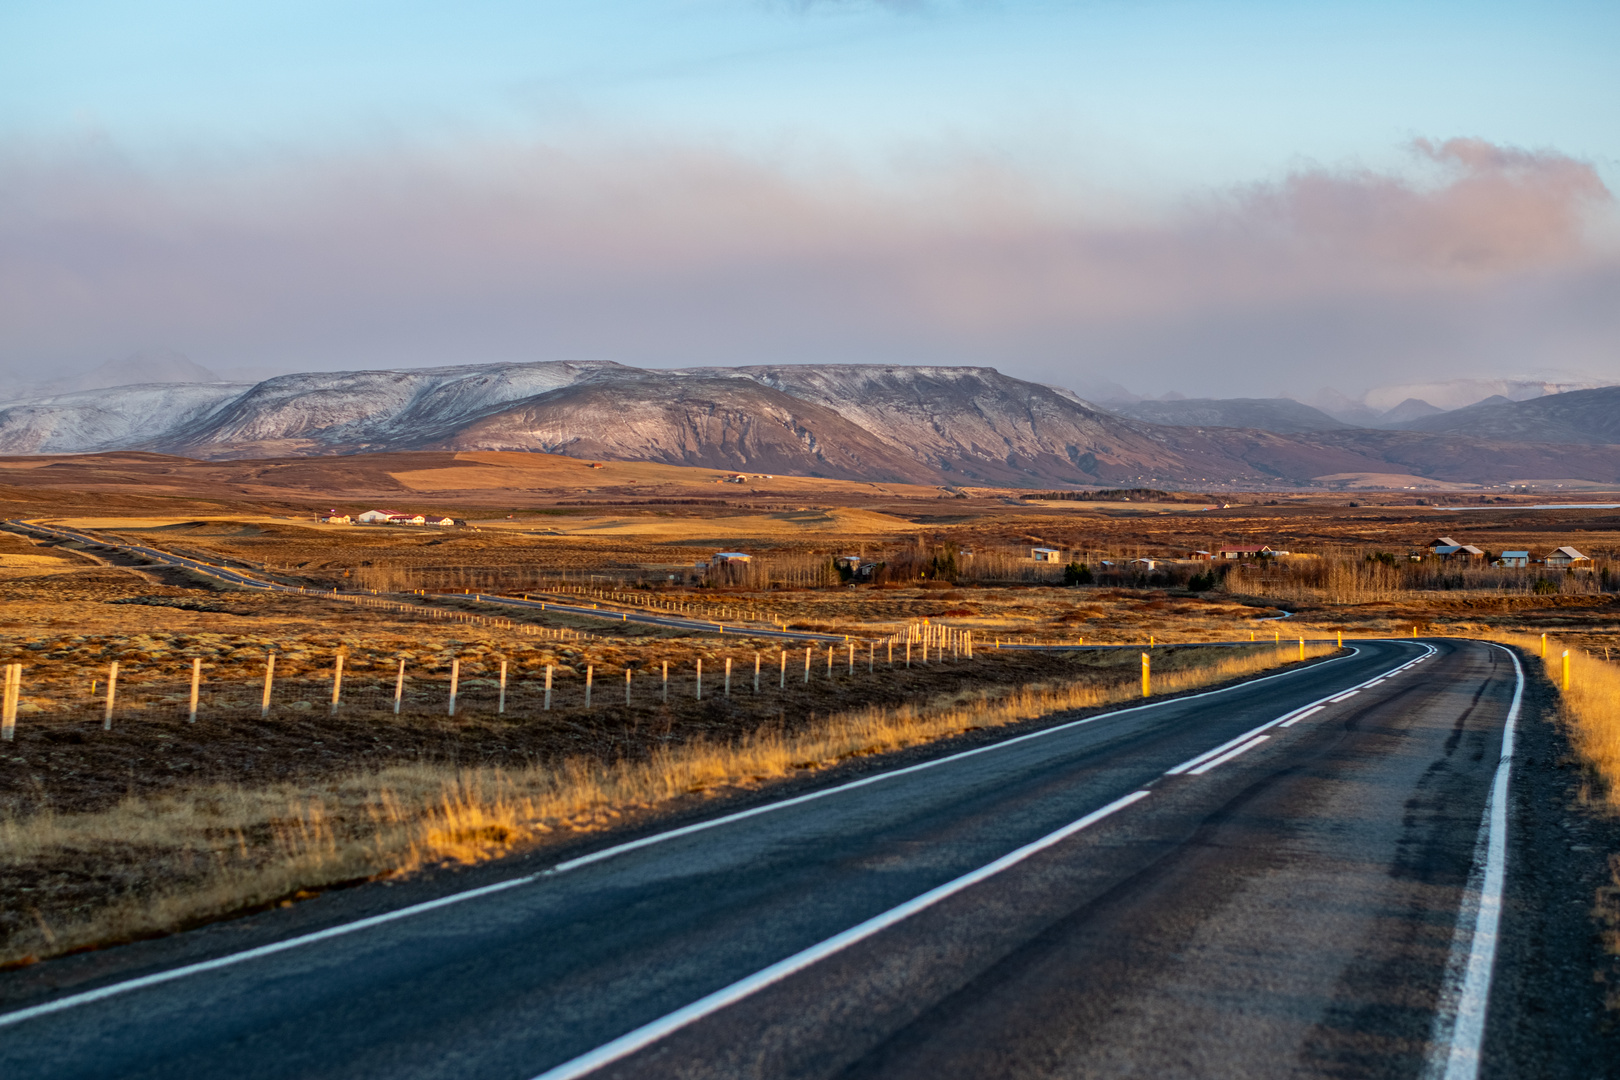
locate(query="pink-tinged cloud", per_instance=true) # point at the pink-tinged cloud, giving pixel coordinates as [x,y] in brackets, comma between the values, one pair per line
[1487,256]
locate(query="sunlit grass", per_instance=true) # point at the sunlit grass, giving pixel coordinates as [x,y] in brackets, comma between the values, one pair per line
[198,852]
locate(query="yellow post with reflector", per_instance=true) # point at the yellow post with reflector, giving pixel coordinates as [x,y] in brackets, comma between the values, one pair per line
[1147,676]
[1302,648]
[1566,669]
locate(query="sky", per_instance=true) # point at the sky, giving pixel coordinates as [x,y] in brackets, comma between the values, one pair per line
[1211,197]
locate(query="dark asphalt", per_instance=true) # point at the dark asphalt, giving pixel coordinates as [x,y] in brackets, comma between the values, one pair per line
[1289,912]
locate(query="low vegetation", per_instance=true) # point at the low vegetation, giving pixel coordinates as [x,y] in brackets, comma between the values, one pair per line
[156,862]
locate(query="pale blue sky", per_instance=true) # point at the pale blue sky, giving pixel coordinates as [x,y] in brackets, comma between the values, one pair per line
[1169,93]
[1202,195]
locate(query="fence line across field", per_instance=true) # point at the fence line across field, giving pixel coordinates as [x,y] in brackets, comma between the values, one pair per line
[119,695]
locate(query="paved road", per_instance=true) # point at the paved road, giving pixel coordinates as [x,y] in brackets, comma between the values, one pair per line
[1159,891]
[609,614]
[237,577]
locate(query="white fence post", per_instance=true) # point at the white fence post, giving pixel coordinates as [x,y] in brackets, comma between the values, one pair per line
[196,685]
[627,685]
[500,709]
[548,688]
[728,676]
[666,682]
[756,671]
[399,686]
[590,676]
[807,663]
[112,693]
[700,679]
[8,704]
[337,683]
[455,683]
[269,680]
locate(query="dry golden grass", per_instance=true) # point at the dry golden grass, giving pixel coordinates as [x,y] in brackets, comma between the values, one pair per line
[224,848]
[1591,702]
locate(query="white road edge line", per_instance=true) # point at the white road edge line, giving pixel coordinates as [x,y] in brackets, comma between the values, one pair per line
[647,1034]
[656,838]
[100,993]
[1473,951]
[1228,756]
[154,979]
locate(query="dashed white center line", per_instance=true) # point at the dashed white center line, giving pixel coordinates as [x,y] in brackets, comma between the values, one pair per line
[1228,756]
[1341,697]
[1303,715]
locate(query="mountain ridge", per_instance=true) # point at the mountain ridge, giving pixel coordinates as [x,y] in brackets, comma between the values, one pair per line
[950,425]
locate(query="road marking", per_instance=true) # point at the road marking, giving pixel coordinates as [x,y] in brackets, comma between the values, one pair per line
[1300,716]
[73,1000]
[1191,764]
[1455,1055]
[154,979]
[686,830]
[1228,756]
[647,1034]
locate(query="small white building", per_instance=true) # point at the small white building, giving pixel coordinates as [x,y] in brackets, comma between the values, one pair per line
[1044,554]
[1567,557]
[1514,558]
[377,517]
[407,519]
[443,522]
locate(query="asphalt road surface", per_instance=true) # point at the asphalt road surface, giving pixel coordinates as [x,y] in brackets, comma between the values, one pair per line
[1233,884]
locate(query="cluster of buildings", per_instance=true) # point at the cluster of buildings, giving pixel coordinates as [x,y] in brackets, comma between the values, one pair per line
[391,517]
[1562,558]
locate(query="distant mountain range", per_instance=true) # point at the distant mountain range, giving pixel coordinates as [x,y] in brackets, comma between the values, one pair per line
[942,425]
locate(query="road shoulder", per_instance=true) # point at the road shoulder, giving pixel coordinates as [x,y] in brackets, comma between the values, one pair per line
[1555,1003]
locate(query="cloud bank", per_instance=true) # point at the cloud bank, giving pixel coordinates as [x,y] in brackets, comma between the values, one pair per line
[1479,260]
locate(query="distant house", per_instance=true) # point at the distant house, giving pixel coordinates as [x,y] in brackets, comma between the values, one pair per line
[1463,552]
[335,518]
[1442,542]
[407,519]
[723,558]
[444,522]
[377,517]
[1051,555]
[1202,556]
[853,562]
[1514,558]
[1567,557]
[1146,564]
[1245,551]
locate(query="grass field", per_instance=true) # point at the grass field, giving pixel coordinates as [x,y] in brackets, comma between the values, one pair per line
[159,822]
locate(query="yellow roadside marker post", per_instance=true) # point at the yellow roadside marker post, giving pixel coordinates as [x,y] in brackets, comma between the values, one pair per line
[1566,670]
[1147,676]
[1543,645]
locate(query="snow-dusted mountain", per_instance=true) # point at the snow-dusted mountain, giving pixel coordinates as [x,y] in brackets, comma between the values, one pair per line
[110,419]
[946,425]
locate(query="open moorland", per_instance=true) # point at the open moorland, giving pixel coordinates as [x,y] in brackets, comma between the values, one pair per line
[134,819]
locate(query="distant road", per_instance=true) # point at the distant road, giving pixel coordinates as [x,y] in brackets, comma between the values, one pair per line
[1270,880]
[611,615]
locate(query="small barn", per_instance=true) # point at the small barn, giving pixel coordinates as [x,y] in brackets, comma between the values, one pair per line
[377,517]
[1460,552]
[1245,551]
[1045,554]
[1567,557]
[1514,558]
[723,558]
